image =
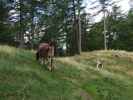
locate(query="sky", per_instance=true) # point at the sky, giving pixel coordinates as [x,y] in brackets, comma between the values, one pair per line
[123,3]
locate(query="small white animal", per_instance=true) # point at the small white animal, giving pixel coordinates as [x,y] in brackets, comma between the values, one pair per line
[99,64]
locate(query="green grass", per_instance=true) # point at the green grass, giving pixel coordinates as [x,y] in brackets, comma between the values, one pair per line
[74,78]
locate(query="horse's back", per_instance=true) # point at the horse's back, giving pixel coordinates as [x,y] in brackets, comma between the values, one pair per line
[43,45]
[43,49]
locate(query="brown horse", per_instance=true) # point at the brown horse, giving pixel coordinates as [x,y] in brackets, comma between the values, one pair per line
[45,54]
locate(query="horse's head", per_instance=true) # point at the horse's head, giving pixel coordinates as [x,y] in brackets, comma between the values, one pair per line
[52,43]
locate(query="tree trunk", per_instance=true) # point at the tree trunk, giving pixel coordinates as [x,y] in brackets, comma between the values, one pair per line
[21,33]
[105,31]
[79,29]
[74,34]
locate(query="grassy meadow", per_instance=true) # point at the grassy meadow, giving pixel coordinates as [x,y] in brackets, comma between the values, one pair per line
[74,78]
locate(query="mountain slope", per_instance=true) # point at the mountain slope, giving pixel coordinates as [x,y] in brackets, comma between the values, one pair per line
[74,78]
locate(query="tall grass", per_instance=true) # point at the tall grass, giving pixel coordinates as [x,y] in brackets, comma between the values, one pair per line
[74,78]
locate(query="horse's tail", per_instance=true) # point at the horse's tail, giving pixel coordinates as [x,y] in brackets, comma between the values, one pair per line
[37,55]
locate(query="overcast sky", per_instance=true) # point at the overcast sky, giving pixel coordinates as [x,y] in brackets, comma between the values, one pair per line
[123,3]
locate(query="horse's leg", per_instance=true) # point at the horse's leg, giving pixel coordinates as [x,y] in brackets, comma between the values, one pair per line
[46,61]
[50,55]
[52,66]
[49,64]
[42,60]
[37,55]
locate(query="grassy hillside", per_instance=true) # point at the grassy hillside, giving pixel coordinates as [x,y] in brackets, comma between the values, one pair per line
[74,78]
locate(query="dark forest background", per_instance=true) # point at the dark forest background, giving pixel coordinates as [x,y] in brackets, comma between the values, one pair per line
[26,23]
